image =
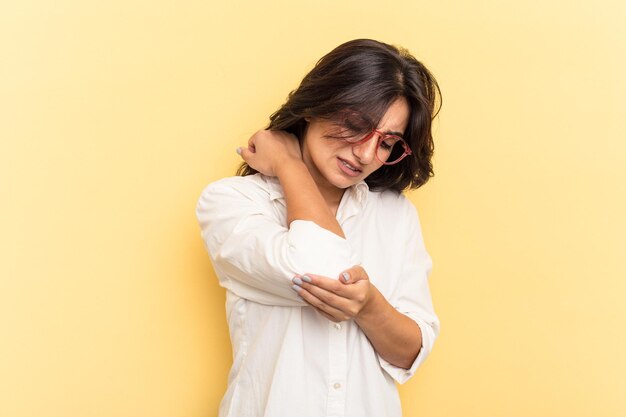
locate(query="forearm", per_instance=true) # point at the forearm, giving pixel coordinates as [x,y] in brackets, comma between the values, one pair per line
[303,198]
[396,337]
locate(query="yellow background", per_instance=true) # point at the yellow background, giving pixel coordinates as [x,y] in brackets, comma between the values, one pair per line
[114,115]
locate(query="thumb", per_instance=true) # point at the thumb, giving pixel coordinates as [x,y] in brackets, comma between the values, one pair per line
[352,275]
[245,153]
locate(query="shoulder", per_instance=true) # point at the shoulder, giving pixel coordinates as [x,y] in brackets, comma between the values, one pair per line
[392,202]
[234,194]
[251,187]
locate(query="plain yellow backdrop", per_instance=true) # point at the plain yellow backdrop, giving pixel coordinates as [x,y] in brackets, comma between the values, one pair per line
[115,115]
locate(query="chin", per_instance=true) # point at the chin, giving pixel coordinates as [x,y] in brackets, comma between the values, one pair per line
[344,183]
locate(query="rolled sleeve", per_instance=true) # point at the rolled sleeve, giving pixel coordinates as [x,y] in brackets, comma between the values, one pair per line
[318,250]
[254,254]
[402,375]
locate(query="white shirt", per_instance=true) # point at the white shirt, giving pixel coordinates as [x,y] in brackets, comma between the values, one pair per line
[289,360]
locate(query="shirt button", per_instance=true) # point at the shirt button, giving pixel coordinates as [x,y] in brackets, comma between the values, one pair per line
[337,326]
[337,385]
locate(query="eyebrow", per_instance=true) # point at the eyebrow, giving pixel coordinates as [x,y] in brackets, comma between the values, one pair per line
[394,133]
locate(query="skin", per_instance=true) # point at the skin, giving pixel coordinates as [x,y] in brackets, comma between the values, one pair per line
[313,183]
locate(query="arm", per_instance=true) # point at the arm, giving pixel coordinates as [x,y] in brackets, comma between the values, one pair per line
[277,153]
[401,329]
[303,198]
[394,336]
[253,251]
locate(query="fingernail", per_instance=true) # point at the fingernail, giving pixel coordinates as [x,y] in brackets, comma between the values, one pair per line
[238,150]
[345,276]
[297,281]
[296,288]
[306,278]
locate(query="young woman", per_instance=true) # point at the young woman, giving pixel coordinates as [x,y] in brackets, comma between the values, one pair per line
[320,253]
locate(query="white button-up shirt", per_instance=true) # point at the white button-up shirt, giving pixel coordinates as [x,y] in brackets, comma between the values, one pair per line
[289,360]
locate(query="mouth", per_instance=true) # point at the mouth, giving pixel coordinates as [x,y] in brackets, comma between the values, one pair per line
[349,168]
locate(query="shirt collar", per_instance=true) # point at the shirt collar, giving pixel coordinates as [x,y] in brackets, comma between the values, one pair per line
[358,192]
[274,187]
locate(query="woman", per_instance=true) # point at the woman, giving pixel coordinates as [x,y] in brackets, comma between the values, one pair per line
[322,256]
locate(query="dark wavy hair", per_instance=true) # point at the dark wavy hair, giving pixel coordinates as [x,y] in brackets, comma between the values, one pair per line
[353,86]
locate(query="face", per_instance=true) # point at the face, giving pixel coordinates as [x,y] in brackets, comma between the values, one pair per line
[336,164]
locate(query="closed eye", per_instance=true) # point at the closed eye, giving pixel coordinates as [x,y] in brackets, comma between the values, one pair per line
[389,142]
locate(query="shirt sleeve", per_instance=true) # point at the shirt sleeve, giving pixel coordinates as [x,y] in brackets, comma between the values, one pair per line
[412,295]
[253,254]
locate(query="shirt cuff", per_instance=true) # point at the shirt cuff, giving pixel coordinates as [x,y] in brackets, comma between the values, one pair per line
[319,251]
[402,375]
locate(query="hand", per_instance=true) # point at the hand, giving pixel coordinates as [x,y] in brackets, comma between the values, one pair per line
[269,149]
[337,300]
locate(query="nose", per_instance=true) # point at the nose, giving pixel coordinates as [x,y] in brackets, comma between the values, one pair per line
[366,152]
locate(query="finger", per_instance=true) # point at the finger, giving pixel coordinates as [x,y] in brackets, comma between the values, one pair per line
[329,298]
[327,310]
[245,153]
[352,275]
[346,277]
[323,282]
